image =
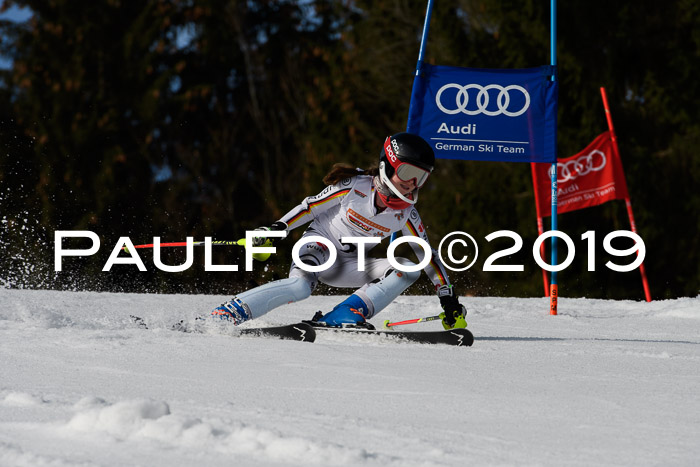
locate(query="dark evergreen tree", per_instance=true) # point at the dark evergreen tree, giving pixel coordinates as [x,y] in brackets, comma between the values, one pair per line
[177,118]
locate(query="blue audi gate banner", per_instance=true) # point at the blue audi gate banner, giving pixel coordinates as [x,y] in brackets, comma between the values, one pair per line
[490,115]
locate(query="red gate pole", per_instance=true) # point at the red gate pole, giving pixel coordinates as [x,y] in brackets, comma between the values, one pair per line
[628,202]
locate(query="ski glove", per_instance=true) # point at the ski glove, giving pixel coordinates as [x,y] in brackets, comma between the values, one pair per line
[260,241]
[454,313]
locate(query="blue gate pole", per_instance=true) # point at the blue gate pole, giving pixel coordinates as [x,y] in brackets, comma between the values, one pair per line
[421,55]
[553,285]
[419,67]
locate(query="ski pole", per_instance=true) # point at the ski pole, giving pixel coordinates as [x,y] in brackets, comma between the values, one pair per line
[173,244]
[241,242]
[388,324]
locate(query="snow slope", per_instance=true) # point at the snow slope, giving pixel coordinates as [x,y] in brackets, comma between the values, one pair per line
[605,382]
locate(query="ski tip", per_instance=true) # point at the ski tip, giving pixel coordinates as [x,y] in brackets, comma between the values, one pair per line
[297,332]
[464,337]
[306,332]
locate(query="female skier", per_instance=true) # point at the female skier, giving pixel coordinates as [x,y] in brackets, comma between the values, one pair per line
[357,203]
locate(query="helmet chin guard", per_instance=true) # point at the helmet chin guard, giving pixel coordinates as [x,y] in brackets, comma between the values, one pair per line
[387,193]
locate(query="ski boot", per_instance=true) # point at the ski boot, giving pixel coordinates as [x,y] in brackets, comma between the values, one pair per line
[455,320]
[234,311]
[349,313]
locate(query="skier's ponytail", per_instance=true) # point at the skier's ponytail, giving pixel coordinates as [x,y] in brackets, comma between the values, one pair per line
[342,171]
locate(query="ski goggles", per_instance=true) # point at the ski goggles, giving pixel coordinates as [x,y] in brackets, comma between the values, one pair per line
[405,171]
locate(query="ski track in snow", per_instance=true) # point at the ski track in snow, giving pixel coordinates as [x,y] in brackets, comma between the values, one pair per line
[605,382]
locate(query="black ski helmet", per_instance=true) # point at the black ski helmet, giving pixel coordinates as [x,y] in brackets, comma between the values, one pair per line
[408,148]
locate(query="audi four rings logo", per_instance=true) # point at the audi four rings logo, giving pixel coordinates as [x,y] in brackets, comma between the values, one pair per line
[593,162]
[482,100]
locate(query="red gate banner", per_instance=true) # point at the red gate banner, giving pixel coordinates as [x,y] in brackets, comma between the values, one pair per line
[591,177]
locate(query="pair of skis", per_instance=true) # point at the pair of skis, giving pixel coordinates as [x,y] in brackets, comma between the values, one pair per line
[306,331]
